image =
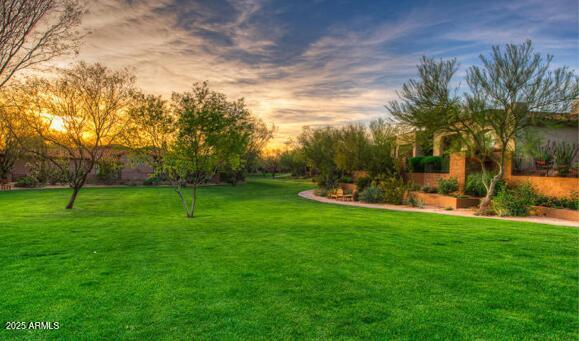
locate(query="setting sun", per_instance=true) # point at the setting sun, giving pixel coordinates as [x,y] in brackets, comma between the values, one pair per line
[56,122]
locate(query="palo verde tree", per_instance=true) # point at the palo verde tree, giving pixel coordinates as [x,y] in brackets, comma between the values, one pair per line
[210,132]
[513,88]
[352,148]
[319,148]
[78,117]
[35,31]
[380,160]
[511,85]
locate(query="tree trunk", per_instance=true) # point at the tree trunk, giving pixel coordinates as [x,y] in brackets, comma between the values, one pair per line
[485,204]
[183,202]
[72,199]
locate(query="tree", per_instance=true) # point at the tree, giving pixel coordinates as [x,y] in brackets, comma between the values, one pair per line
[272,161]
[424,103]
[505,94]
[78,117]
[236,145]
[35,31]
[380,155]
[150,129]
[319,148]
[259,139]
[511,84]
[352,149]
[293,160]
[207,130]
[10,149]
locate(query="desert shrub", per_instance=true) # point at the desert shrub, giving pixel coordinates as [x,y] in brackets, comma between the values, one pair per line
[428,164]
[372,194]
[232,177]
[151,181]
[322,192]
[363,182]
[428,189]
[474,185]
[432,163]
[514,201]
[411,186]
[109,170]
[27,182]
[414,202]
[447,186]
[394,189]
[415,164]
[571,203]
[327,181]
[346,179]
[45,173]
[564,155]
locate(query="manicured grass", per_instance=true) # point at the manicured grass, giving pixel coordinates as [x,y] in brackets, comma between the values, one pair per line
[259,262]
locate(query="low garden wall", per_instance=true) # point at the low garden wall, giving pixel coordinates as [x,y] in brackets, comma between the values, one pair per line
[445,201]
[552,186]
[546,185]
[427,179]
[557,213]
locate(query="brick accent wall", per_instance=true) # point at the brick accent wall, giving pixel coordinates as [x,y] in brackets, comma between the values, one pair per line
[428,179]
[546,185]
[552,186]
[458,169]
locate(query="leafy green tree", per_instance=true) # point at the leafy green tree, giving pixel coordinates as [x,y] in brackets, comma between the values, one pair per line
[294,161]
[380,156]
[352,149]
[319,147]
[505,94]
[210,133]
[236,145]
[511,85]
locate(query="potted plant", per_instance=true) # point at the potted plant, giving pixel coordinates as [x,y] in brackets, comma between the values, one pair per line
[544,155]
[564,156]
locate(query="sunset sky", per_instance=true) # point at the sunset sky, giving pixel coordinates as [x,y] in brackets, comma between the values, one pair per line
[311,62]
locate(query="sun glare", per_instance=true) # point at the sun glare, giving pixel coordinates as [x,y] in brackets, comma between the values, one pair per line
[56,122]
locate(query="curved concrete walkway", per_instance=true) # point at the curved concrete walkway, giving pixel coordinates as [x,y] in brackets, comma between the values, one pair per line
[460,212]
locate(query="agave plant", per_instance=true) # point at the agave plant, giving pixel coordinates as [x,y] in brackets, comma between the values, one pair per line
[544,155]
[565,155]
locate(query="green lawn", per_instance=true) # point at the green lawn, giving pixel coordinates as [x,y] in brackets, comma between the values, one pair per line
[259,262]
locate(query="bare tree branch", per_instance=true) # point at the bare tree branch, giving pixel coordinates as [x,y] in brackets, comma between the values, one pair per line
[36,31]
